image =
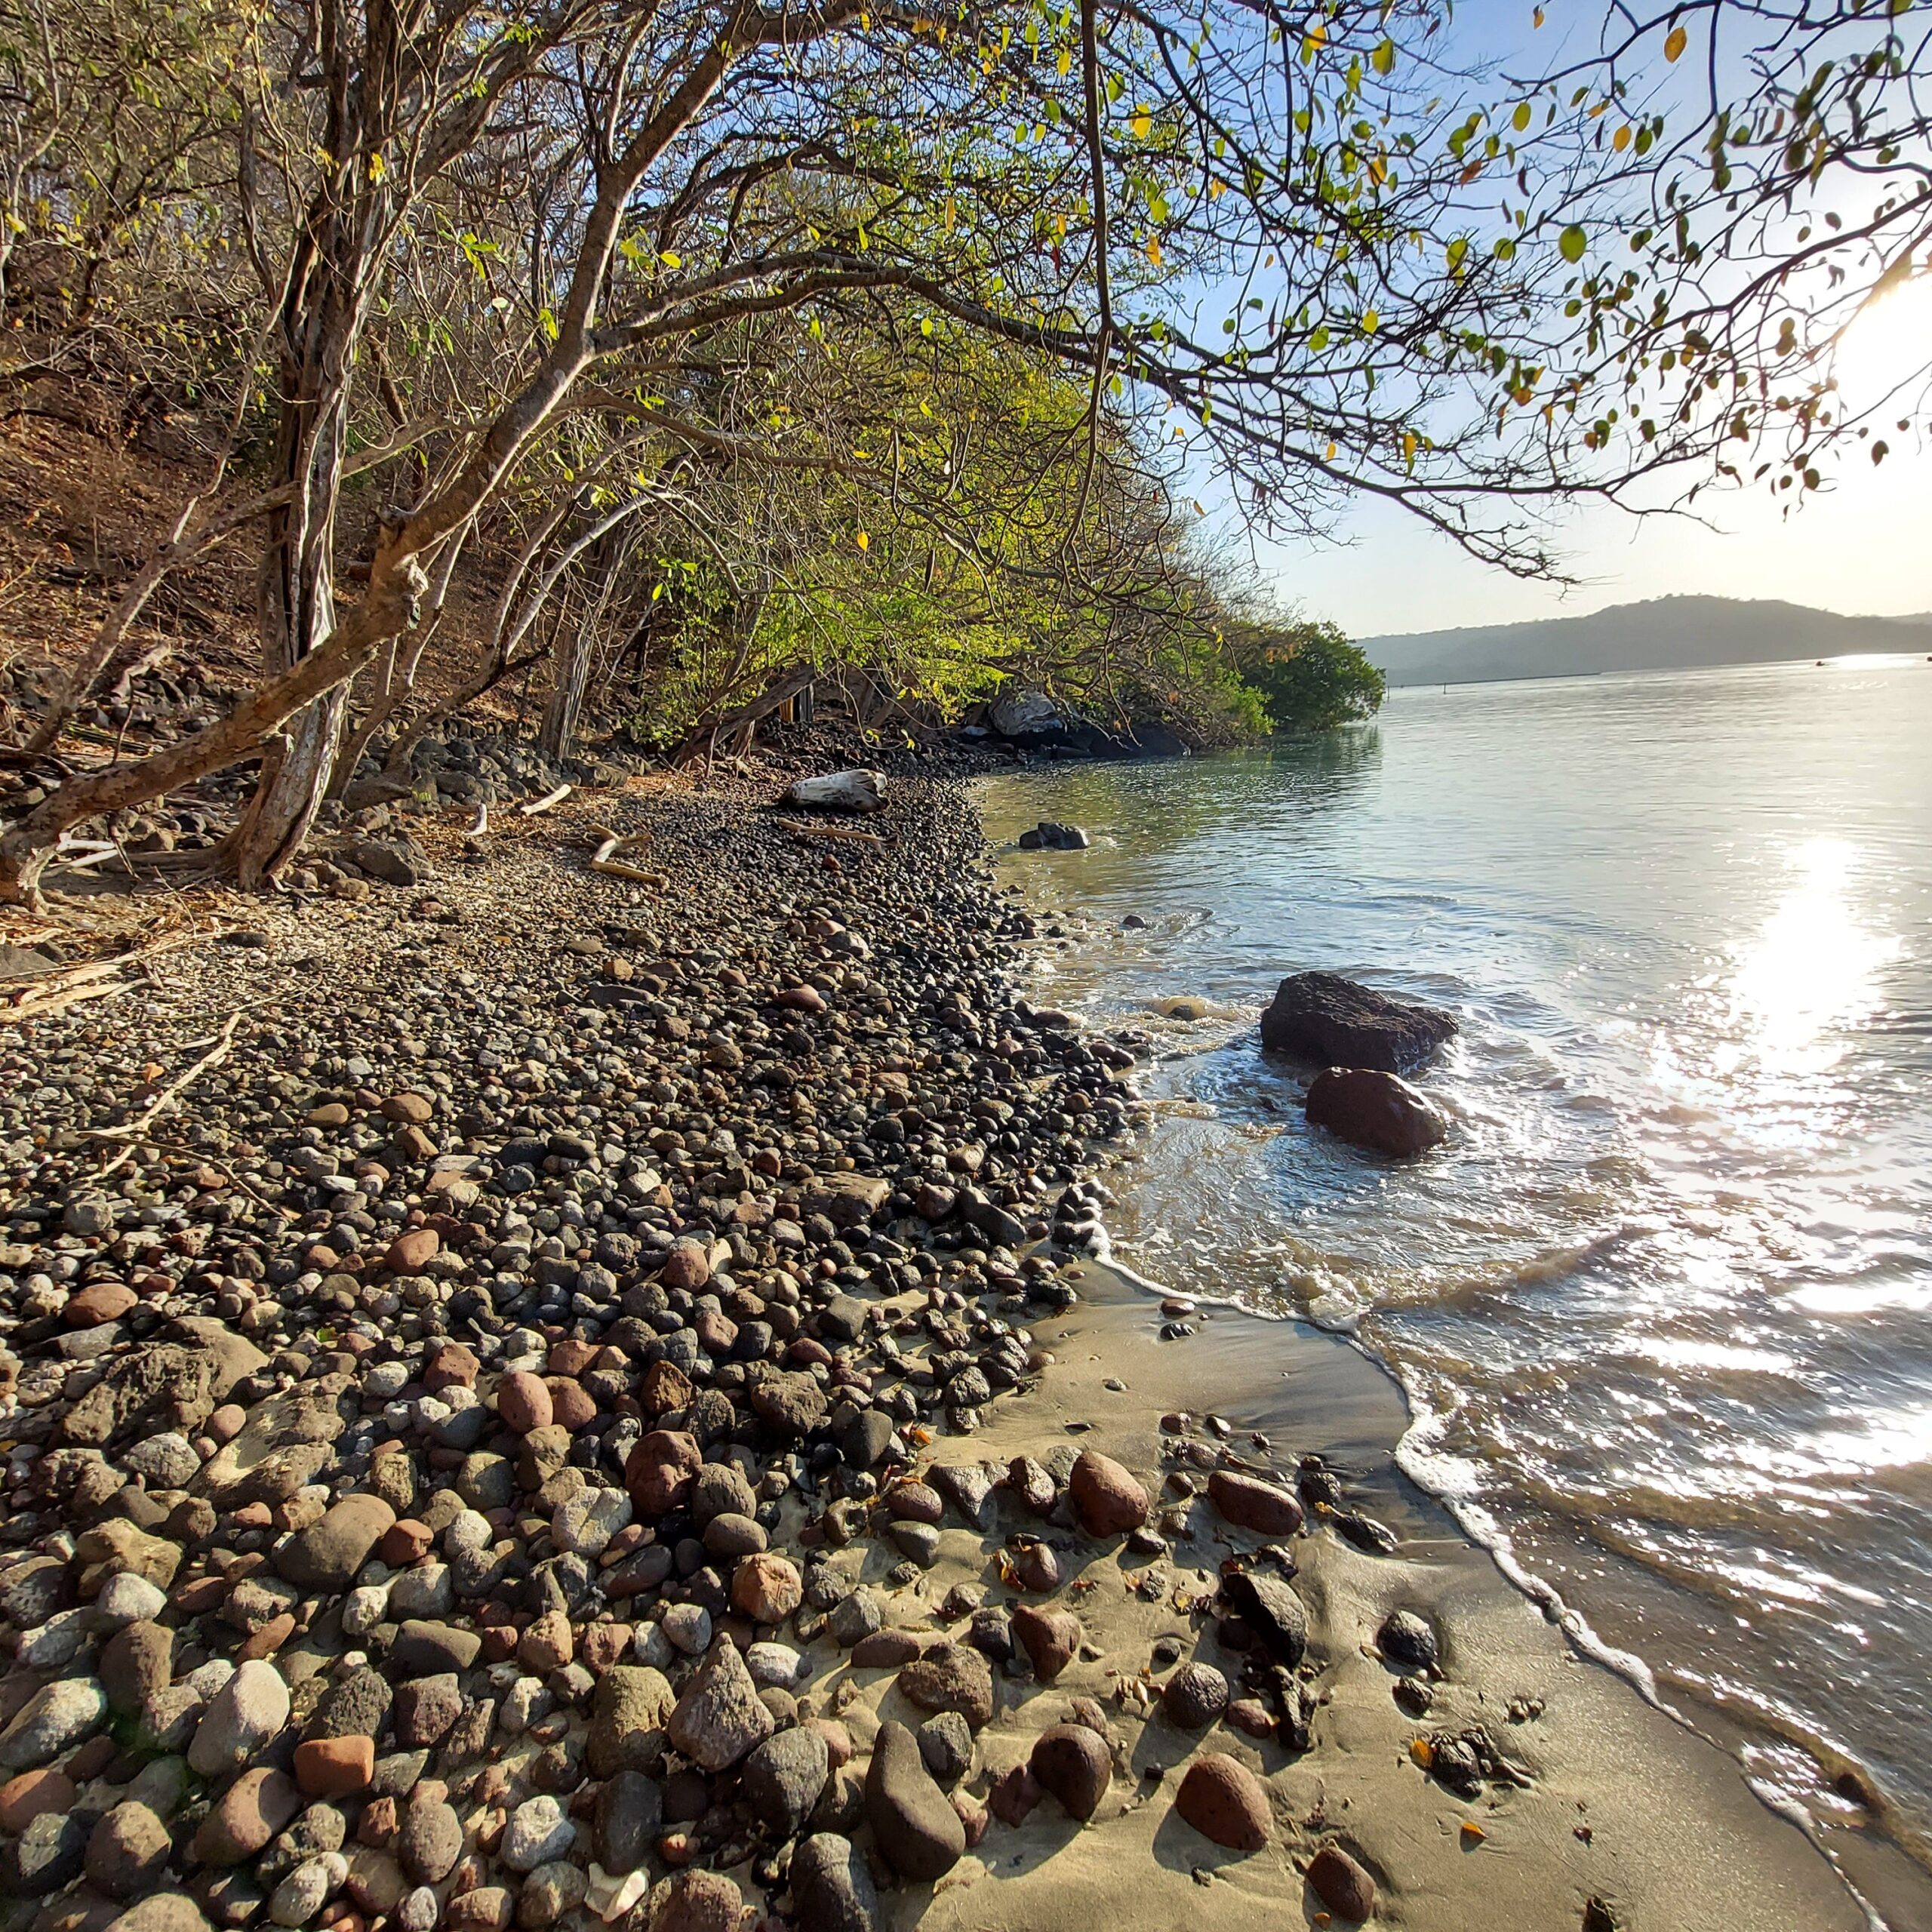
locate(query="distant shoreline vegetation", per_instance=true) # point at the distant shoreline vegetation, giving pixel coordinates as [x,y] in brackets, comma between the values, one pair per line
[1309,677]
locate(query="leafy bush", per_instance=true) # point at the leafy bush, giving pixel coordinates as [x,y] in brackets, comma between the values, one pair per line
[1310,677]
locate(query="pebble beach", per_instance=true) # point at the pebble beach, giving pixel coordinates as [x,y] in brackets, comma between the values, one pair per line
[596,1404]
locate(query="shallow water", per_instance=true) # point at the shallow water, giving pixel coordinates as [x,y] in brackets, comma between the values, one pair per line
[1661,1304]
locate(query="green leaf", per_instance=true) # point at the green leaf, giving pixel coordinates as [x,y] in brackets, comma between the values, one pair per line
[1383,59]
[1573,242]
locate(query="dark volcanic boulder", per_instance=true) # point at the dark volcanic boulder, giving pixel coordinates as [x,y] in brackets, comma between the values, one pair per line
[1329,1021]
[1376,1110]
[1050,835]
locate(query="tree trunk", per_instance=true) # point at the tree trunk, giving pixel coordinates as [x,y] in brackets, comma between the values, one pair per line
[320,326]
[565,711]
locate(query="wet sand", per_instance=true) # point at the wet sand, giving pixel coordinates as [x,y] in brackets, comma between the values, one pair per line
[1627,1806]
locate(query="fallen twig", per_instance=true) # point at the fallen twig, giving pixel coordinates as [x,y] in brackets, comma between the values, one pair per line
[49,992]
[548,799]
[134,1130]
[480,824]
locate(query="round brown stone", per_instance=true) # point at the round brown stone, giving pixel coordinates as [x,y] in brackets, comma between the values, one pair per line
[1342,1884]
[1072,1761]
[523,1402]
[1109,1500]
[1225,1802]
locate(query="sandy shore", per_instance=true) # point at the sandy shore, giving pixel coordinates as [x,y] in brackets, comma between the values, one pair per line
[1626,1806]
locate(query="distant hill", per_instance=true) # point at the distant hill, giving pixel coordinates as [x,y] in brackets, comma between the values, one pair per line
[1665,634]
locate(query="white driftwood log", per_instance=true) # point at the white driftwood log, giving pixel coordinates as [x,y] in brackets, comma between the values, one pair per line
[858,790]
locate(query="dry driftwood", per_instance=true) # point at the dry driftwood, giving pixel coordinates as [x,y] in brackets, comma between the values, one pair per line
[605,861]
[544,803]
[860,789]
[800,828]
[94,979]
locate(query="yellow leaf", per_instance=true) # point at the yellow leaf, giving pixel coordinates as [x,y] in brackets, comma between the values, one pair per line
[1154,252]
[1423,1752]
[1066,61]
[1328,454]
[1536,19]
[1142,124]
[1675,43]
[670,260]
[1409,441]
[1472,1831]
[864,542]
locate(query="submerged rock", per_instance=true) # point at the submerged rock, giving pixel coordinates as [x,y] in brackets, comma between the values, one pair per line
[1051,835]
[1374,1110]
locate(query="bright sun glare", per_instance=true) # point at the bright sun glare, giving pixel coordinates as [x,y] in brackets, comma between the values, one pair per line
[1813,964]
[1888,344]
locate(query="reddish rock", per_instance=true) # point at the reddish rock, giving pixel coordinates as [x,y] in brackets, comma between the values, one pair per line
[523,1401]
[404,1543]
[268,1639]
[687,1266]
[885,1650]
[24,1798]
[1253,1718]
[659,1470]
[412,1251]
[547,1645]
[914,1502]
[1225,1802]
[1108,1499]
[950,1677]
[1381,1111]
[1072,1763]
[1249,1503]
[571,1405]
[697,1901]
[334,1767]
[1051,1638]
[488,1909]
[601,1645]
[767,1588]
[259,1804]
[1013,1799]
[98,1302]
[665,1387]
[409,1109]
[1342,1884]
[1035,1567]
[455,1367]
[716,1333]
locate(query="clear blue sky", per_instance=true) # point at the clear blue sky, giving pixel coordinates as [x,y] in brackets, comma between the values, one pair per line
[1864,546]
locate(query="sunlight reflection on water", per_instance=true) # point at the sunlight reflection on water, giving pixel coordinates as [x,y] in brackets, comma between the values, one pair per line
[1660,1298]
